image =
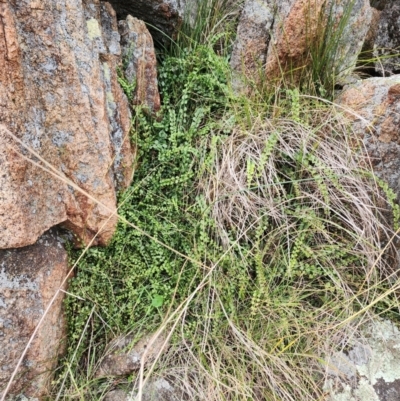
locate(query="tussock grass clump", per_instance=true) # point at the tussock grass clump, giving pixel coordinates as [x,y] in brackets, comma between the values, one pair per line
[209,22]
[301,226]
[302,179]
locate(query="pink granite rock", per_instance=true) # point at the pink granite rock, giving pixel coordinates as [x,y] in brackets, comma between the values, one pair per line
[374,109]
[139,59]
[59,94]
[274,37]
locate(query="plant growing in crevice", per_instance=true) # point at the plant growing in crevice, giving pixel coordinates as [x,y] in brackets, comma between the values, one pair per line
[127,87]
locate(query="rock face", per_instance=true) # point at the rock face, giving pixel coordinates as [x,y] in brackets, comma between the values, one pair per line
[29,277]
[61,103]
[278,35]
[373,30]
[140,63]
[123,359]
[376,102]
[251,46]
[166,16]
[387,42]
[161,390]
[368,47]
[297,24]
[60,95]
[370,370]
[358,16]
[155,390]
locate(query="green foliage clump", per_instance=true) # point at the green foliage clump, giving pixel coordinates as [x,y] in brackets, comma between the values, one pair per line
[136,277]
[128,87]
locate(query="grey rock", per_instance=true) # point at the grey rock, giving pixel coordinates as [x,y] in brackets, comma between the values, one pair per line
[274,37]
[29,278]
[387,42]
[122,358]
[117,395]
[370,371]
[366,58]
[354,34]
[251,45]
[158,389]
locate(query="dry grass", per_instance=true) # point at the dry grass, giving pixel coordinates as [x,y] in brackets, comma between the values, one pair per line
[321,165]
[277,350]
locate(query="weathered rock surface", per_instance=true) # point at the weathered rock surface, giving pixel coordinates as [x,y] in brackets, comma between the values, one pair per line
[376,104]
[350,41]
[161,390]
[163,16]
[370,370]
[140,63]
[155,390]
[387,42]
[373,30]
[296,25]
[117,395]
[29,278]
[367,55]
[251,46]
[123,359]
[60,95]
[278,35]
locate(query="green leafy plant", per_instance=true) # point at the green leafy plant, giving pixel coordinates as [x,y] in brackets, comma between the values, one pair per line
[135,278]
[128,87]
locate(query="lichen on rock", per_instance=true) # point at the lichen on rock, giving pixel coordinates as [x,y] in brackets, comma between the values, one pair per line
[370,371]
[140,63]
